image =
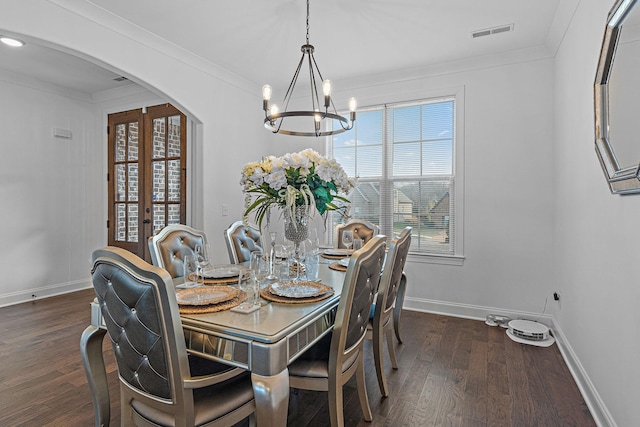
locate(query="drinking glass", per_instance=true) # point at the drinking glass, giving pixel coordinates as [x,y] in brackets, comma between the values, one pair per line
[311,262]
[248,282]
[313,241]
[357,244]
[190,271]
[259,266]
[347,238]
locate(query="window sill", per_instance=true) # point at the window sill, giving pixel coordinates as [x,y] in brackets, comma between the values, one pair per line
[418,258]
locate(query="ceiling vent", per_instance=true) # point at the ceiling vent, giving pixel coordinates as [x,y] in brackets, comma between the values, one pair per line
[492,31]
[120,79]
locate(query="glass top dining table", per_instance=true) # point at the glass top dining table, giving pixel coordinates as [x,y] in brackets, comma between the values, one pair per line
[264,342]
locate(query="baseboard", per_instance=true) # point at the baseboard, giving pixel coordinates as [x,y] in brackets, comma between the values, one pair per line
[43,292]
[599,411]
[469,311]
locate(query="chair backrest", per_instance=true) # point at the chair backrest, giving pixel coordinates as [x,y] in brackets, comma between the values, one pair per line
[169,247]
[392,272]
[362,229]
[360,284]
[241,241]
[139,308]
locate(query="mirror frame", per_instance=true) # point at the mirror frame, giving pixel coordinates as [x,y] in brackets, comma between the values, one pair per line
[621,180]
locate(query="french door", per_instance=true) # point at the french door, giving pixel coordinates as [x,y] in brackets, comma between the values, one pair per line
[147,175]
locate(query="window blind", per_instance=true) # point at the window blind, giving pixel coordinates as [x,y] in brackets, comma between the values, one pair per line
[403,157]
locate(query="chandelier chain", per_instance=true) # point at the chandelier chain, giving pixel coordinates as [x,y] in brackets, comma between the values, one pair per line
[307,21]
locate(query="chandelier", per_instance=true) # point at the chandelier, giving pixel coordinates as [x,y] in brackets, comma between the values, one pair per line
[274,117]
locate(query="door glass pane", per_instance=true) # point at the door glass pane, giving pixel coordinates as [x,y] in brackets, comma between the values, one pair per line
[174,136]
[121,142]
[121,223]
[133,141]
[158,181]
[133,182]
[121,186]
[133,223]
[158,138]
[174,214]
[158,218]
[174,180]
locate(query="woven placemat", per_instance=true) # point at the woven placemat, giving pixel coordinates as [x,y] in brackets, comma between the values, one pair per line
[275,298]
[337,266]
[201,309]
[323,255]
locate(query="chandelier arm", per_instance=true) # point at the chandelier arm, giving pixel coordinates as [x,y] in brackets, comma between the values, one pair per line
[294,80]
[315,101]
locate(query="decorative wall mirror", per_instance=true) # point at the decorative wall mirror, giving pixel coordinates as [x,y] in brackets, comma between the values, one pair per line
[617,99]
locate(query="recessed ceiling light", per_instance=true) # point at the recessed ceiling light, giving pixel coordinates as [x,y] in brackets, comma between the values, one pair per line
[11,42]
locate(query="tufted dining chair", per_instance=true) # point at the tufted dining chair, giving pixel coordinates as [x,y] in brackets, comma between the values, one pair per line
[241,241]
[339,355]
[171,244]
[362,229]
[160,384]
[382,323]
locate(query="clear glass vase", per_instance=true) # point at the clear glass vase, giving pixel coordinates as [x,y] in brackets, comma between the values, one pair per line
[296,230]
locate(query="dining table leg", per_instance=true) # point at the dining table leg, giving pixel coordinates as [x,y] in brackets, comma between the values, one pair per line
[271,393]
[93,361]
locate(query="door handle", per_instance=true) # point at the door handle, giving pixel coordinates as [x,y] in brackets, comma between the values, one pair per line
[146,221]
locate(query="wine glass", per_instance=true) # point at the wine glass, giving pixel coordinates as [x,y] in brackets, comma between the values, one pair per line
[202,260]
[272,256]
[347,238]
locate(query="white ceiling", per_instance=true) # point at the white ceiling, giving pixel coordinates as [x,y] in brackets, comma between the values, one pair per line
[260,40]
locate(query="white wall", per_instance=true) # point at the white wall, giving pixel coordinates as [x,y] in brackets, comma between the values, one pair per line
[596,234]
[508,140]
[51,216]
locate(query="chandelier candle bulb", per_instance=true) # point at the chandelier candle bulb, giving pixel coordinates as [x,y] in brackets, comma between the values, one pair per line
[266,96]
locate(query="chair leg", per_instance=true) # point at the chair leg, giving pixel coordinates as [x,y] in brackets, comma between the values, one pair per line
[392,352]
[397,309]
[362,388]
[336,405]
[378,359]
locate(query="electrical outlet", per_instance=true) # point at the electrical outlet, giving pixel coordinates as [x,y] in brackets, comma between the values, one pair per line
[225,209]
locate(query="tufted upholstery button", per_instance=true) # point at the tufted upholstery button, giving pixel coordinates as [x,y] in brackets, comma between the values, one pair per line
[133,311]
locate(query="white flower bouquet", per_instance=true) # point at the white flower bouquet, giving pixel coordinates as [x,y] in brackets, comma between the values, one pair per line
[295,179]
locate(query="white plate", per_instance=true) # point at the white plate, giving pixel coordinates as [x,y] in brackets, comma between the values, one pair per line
[344,262]
[338,252]
[301,289]
[222,271]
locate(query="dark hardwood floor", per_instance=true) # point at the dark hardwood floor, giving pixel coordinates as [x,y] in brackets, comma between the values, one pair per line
[453,372]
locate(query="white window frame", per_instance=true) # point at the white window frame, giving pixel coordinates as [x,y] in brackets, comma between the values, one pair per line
[457,258]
